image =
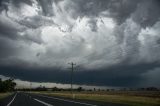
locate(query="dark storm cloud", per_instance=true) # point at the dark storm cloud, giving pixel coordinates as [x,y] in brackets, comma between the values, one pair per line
[3,3]
[116,42]
[17,2]
[147,12]
[47,7]
[8,28]
[7,48]
[117,75]
[119,9]
[122,9]
[35,22]
[142,11]
[12,29]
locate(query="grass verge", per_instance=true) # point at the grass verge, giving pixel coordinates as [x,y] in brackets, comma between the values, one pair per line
[3,95]
[121,99]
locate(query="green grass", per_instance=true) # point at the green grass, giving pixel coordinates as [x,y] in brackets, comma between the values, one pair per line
[128,99]
[3,95]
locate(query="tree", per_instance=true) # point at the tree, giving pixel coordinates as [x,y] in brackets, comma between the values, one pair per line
[79,89]
[7,85]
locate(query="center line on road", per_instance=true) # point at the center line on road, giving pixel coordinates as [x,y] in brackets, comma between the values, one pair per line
[43,102]
[12,100]
[69,100]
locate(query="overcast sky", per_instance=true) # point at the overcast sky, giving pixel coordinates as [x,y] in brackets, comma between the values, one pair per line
[113,42]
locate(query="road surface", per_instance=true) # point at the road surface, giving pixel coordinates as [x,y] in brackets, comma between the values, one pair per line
[26,99]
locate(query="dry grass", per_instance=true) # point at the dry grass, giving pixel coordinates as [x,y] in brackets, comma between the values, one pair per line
[125,98]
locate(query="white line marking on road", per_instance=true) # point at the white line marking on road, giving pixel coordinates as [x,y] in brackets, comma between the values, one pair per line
[69,101]
[43,102]
[12,100]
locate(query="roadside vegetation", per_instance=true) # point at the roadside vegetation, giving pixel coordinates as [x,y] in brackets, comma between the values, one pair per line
[3,95]
[131,98]
[6,87]
[139,97]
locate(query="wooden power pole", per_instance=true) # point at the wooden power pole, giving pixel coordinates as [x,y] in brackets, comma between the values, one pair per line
[72,70]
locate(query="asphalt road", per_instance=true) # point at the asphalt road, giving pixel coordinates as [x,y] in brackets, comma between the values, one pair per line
[26,99]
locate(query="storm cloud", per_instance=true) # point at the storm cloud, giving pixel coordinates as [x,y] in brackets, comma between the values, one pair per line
[113,42]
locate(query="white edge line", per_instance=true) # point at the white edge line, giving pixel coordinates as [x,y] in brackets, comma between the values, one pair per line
[12,100]
[69,101]
[43,102]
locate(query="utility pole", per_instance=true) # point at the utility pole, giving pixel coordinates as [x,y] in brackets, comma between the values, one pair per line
[30,86]
[72,70]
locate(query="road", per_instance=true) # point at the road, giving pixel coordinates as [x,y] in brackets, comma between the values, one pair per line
[27,99]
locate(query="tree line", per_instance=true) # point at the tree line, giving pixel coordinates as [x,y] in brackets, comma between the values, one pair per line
[7,85]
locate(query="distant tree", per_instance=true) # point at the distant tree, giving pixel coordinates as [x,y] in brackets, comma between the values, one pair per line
[107,89]
[152,89]
[41,88]
[112,89]
[89,90]
[99,89]
[55,89]
[79,89]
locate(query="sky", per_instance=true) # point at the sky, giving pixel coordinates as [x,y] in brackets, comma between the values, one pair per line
[113,42]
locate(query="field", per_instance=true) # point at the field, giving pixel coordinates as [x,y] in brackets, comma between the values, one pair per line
[132,98]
